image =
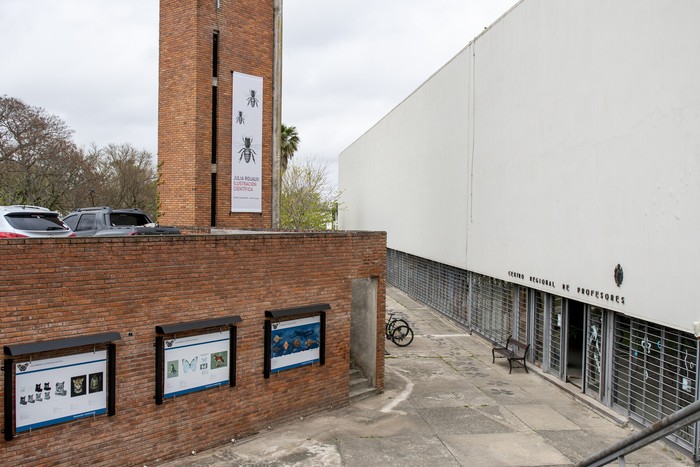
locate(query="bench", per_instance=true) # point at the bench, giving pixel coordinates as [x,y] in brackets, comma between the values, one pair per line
[514,351]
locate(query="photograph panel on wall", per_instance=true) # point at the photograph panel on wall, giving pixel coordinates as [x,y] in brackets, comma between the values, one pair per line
[196,363]
[295,343]
[60,389]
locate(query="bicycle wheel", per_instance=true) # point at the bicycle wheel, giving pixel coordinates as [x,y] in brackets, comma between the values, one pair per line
[402,336]
[400,322]
[392,324]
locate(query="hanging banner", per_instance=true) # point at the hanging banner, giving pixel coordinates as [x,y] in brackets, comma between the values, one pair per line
[60,389]
[196,363]
[295,343]
[246,166]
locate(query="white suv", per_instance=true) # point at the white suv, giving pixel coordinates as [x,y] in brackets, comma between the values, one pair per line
[31,221]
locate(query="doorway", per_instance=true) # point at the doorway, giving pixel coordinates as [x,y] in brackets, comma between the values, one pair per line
[576,339]
[363,328]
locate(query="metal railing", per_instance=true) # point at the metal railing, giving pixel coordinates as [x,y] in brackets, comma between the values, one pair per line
[648,435]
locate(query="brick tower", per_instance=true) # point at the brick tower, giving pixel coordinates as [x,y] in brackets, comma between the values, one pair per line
[216,99]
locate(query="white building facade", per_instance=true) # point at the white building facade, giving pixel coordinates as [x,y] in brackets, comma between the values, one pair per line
[545,184]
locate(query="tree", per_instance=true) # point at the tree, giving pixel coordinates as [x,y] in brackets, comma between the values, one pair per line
[288,145]
[307,200]
[41,165]
[39,162]
[128,178]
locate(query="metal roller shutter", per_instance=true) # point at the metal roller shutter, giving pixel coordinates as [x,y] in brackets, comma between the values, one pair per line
[654,373]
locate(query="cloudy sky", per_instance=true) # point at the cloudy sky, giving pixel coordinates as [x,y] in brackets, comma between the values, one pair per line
[346,63]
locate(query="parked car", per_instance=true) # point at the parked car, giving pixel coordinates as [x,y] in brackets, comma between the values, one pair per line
[107,222]
[31,221]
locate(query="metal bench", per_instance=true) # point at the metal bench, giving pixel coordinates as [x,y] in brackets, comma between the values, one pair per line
[514,351]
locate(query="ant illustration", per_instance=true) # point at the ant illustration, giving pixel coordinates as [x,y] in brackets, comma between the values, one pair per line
[252,100]
[246,151]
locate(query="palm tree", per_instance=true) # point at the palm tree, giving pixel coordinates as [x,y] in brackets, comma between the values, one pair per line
[289,144]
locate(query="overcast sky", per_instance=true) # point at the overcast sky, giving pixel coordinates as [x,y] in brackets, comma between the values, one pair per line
[346,64]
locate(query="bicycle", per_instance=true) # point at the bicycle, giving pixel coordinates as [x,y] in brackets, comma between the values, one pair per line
[398,331]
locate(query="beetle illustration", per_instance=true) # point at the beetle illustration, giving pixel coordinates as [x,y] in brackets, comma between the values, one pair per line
[246,151]
[240,119]
[252,100]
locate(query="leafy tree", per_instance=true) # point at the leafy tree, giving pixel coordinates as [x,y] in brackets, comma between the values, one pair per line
[307,200]
[39,162]
[288,145]
[128,178]
[41,165]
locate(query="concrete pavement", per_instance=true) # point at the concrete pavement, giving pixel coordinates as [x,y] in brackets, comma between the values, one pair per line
[444,404]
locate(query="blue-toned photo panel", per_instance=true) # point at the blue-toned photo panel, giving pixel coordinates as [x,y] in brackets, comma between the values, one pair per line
[295,343]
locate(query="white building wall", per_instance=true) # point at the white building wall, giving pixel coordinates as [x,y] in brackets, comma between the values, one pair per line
[585,155]
[398,176]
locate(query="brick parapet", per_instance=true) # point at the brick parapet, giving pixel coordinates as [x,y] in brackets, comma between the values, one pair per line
[57,288]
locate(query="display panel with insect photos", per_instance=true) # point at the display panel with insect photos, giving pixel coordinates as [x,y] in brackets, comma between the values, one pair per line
[295,343]
[196,363]
[60,389]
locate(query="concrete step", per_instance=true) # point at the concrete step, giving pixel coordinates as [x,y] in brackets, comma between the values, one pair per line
[358,383]
[359,386]
[362,393]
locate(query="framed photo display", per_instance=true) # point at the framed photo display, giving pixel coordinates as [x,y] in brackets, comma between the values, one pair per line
[60,389]
[294,337]
[195,362]
[59,386]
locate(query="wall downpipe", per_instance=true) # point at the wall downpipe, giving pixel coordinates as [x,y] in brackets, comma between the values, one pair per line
[276,113]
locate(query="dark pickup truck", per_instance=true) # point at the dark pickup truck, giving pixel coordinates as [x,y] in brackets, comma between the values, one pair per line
[108,222]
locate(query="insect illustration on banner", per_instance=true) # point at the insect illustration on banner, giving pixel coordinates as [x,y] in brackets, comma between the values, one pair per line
[246,151]
[252,99]
[240,119]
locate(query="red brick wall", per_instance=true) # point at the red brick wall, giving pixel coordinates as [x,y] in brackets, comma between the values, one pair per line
[58,288]
[246,31]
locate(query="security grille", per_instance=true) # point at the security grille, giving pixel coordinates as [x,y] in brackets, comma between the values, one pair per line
[444,288]
[522,294]
[654,373]
[594,352]
[555,336]
[489,310]
[539,327]
[492,307]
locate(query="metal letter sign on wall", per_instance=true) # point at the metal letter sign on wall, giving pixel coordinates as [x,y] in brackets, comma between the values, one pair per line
[246,162]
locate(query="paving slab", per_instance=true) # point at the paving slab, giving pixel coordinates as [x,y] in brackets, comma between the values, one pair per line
[504,449]
[396,452]
[542,417]
[462,420]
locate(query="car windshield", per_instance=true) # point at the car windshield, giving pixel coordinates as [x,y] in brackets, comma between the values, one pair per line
[35,221]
